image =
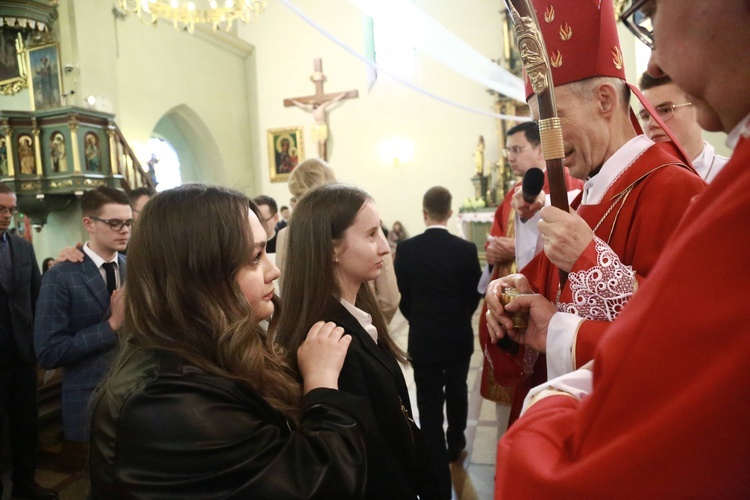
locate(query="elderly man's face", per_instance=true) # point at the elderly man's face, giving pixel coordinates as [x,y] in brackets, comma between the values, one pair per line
[691,46]
[586,133]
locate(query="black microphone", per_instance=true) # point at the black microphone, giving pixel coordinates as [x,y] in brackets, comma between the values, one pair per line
[532,184]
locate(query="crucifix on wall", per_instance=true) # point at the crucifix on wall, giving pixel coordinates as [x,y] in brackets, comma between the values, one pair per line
[318,105]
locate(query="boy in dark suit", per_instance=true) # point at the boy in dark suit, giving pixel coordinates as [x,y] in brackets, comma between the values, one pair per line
[80,307]
[437,275]
[19,288]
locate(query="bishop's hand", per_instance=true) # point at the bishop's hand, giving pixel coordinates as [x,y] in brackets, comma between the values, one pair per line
[565,236]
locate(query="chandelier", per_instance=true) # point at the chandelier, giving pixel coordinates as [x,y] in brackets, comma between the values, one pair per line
[185,14]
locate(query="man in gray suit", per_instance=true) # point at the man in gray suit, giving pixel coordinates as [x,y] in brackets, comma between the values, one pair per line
[80,307]
[19,288]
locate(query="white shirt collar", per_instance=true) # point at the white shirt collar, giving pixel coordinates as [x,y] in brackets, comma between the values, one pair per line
[364,319]
[437,226]
[95,257]
[741,130]
[595,187]
[708,163]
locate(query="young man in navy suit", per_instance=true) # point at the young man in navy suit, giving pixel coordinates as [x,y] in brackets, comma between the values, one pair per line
[19,288]
[437,276]
[80,307]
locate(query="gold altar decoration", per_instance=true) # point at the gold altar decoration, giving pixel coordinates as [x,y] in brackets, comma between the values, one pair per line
[187,14]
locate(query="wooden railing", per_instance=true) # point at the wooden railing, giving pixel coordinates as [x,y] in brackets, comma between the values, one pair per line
[125,163]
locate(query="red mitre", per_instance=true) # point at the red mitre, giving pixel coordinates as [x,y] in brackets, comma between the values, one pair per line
[581,40]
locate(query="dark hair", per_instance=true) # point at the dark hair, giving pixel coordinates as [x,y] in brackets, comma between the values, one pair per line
[182,295]
[93,201]
[530,130]
[45,264]
[308,278]
[437,203]
[648,81]
[6,189]
[136,193]
[283,207]
[268,201]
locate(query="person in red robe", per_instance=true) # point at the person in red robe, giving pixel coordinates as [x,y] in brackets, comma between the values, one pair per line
[635,193]
[523,151]
[662,411]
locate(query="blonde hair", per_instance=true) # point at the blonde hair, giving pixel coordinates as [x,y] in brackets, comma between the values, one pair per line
[309,174]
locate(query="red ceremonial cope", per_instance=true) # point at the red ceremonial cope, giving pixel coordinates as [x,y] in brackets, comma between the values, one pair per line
[581,40]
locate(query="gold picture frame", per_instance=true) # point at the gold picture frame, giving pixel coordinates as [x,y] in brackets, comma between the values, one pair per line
[285,151]
[13,68]
[45,80]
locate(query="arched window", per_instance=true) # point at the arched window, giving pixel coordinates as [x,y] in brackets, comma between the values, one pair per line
[162,162]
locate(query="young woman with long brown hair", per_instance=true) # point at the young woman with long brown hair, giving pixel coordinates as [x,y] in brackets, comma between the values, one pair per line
[201,403]
[336,246]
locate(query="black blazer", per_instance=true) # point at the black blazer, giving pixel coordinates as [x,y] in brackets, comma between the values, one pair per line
[396,458]
[22,296]
[437,276]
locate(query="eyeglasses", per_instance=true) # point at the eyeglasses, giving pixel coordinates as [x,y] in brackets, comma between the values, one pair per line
[516,150]
[637,18]
[665,111]
[8,210]
[114,224]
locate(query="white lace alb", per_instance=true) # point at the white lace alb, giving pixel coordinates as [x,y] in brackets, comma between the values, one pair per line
[600,292]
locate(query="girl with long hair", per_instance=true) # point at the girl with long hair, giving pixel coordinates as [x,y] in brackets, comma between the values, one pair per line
[201,403]
[335,247]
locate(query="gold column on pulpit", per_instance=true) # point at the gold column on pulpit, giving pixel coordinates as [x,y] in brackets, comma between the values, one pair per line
[73,125]
[37,149]
[9,147]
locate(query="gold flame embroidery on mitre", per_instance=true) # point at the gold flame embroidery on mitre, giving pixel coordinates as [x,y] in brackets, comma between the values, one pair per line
[617,57]
[556,60]
[549,14]
[565,32]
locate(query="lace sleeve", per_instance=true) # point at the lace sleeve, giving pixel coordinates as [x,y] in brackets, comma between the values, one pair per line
[600,291]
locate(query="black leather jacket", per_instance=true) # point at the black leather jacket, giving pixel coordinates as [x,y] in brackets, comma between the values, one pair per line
[164,429]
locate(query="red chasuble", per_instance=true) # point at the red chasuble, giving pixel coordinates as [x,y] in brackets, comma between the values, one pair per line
[502,225]
[635,218]
[670,409]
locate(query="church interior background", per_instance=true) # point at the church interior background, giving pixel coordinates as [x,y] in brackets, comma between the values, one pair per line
[199,106]
[212,96]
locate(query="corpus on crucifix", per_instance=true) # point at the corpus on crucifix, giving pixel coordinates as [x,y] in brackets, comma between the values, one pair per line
[318,105]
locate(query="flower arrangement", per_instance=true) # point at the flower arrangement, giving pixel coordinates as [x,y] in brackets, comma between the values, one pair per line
[472,204]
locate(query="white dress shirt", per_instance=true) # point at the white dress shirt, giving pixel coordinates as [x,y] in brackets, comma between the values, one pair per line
[99,261]
[364,319]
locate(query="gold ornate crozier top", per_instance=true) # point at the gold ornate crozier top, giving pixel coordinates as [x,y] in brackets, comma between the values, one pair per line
[532,50]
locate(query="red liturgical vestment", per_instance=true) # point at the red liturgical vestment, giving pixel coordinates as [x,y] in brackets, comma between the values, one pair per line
[633,222]
[503,225]
[668,413]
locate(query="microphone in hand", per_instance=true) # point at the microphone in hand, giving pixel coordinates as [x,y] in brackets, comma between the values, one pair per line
[532,184]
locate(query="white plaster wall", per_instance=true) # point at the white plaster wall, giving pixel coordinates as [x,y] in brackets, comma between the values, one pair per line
[444,137]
